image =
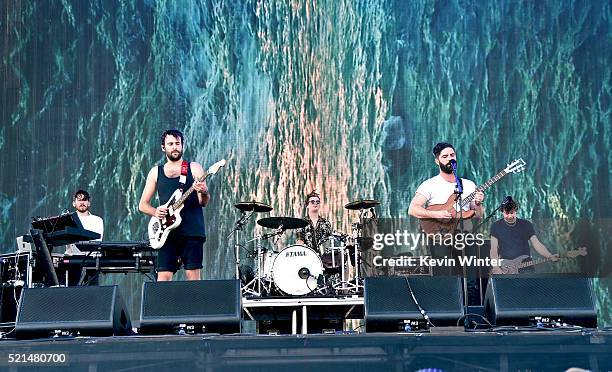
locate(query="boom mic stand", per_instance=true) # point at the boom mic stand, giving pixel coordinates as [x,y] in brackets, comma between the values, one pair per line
[488,217]
[485,220]
[244,217]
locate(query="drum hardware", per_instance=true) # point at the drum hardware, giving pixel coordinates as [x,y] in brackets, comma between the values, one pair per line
[253,206]
[299,270]
[257,286]
[288,223]
[364,206]
[361,204]
[260,283]
[334,262]
[247,210]
[295,270]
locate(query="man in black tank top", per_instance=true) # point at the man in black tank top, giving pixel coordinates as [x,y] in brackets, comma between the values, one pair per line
[185,243]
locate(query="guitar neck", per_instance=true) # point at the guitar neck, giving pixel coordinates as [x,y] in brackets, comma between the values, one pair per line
[535,262]
[179,203]
[468,199]
[570,254]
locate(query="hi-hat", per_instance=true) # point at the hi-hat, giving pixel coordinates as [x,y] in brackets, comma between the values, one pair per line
[253,206]
[287,223]
[362,204]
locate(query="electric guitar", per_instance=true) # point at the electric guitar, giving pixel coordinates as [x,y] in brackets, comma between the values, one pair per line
[515,265]
[160,228]
[433,226]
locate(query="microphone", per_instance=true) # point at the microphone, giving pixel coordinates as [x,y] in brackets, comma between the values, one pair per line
[453,164]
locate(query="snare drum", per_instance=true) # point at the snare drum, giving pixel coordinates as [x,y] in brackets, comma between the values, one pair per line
[296,270]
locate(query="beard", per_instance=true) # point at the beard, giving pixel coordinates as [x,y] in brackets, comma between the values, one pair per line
[448,169]
[82,208]
[172,157]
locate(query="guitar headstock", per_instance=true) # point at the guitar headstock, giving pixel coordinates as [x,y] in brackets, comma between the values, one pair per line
[215,167]
[516,166]
[582,251]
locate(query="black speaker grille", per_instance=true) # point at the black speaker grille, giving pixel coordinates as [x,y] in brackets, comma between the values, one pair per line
[514,300]
[191,298]
[543,293]
[434,294]
[66,304]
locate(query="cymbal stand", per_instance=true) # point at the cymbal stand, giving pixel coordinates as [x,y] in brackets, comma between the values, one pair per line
[358,280]
[255,286]
[357,229]
[341,286]
[244,217]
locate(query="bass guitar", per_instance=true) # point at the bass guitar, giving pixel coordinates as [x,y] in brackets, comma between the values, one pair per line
[159,228]
[515,265]
[433,226]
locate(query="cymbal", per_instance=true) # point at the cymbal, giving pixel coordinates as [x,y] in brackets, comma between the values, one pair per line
[287,223]
[253,206]
[362,204]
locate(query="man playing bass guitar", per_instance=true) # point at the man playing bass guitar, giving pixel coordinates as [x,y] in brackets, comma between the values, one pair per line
[184,245]
[510,238]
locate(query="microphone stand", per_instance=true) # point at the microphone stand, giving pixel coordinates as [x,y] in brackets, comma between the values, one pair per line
[238,227]
[485,220]
[459,202]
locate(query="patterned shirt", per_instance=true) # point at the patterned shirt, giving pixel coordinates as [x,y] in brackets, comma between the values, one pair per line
[313,235]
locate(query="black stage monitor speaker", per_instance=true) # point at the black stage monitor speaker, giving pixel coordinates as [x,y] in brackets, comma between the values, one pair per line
[85,311]
[517,300]
[389,304]
[191,306]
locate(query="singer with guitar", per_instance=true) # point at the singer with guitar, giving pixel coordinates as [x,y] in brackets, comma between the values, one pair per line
[438,189]
[510,238]
[184,244]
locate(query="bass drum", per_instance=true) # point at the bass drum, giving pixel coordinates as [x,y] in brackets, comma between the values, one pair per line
[296,270]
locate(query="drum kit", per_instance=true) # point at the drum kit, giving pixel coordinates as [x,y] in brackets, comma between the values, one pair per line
[300,270]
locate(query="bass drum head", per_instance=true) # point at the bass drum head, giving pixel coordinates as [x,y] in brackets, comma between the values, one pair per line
[292,262]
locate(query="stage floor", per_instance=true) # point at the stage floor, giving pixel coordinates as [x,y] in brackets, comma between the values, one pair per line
[447,349]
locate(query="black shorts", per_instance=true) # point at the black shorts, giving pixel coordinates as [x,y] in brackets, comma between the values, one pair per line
[181,251]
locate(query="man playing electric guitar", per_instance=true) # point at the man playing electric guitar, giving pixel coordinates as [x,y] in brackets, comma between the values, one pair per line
[184,245]
[510,237]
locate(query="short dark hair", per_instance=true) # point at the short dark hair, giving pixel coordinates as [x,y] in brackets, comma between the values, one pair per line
[172,132]
[84,193]
[312,194]
[509,205]
[441,146]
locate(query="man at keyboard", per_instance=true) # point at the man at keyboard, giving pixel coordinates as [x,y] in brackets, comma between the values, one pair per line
[81,201]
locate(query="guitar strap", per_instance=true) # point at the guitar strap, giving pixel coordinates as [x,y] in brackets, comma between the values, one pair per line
[183,177]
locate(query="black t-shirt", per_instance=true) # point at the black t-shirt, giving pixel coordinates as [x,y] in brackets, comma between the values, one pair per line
[513,240]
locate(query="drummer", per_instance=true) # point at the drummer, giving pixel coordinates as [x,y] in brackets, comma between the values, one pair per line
[318,227]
